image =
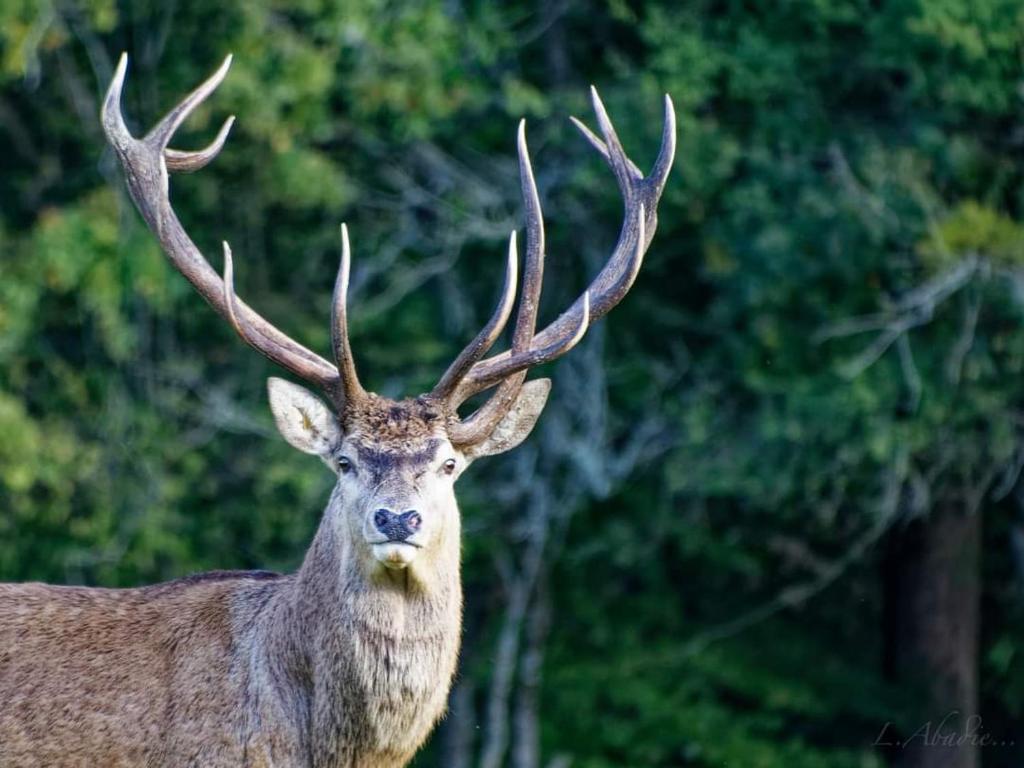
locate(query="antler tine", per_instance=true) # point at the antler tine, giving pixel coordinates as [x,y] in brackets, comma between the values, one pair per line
[599,145]
[662,165]
[483,421]
[229,292]
[489,334]
[640,197]
[343,357]
[616,155]
[580,320]
[110,113]
[164,130]
[533,281]
[667,153]
[147,163]
[535,356]
[250,336]
[188,162]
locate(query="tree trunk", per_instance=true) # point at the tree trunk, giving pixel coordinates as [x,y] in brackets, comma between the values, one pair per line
[932,584]
[457,729]
[526,742]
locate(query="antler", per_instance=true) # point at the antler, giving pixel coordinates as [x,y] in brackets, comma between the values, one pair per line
[147,163]
[508,369]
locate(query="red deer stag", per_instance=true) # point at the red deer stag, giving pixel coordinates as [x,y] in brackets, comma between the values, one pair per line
[347,662]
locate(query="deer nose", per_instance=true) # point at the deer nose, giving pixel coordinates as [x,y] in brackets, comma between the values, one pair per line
[411,519]
[397,527]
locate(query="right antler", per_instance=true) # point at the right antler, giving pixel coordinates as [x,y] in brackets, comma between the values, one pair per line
[147,163]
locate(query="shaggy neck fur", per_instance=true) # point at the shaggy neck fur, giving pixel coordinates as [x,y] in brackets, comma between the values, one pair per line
[364,656]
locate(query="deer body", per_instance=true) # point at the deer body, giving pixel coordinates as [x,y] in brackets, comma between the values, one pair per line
[317,668]
[348,661]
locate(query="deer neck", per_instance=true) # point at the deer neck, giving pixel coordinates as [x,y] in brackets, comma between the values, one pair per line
[358,639]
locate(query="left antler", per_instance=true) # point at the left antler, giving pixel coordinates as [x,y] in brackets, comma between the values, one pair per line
[472,374]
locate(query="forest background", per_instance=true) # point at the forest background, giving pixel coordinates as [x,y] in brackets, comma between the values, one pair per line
[773,516]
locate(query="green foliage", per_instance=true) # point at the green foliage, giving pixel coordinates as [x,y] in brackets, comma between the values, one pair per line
[974,229]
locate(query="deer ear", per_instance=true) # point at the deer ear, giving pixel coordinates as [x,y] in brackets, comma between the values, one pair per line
[302,418]
[518,422]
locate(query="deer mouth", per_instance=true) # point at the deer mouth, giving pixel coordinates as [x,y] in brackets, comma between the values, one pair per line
[395,554]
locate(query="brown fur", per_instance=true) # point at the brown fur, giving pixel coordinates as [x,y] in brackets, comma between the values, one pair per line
[395,425]
[343,663]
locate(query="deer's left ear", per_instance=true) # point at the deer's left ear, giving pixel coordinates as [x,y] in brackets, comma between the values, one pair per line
[518,422]
[302,418]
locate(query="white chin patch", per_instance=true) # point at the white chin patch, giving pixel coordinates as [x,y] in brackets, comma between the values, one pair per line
[394,555]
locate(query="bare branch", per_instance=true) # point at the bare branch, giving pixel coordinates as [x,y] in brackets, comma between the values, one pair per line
[965,340]
[910,373]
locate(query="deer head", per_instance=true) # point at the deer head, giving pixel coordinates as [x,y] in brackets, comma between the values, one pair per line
[397,461]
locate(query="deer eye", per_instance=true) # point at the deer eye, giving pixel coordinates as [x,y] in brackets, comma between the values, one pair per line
[449,466]
[344,464]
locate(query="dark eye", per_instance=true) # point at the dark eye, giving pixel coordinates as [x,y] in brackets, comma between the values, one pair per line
[449,466]
[344,464]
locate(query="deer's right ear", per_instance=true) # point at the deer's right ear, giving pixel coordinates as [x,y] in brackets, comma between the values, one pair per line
[518,422]
[302,418]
